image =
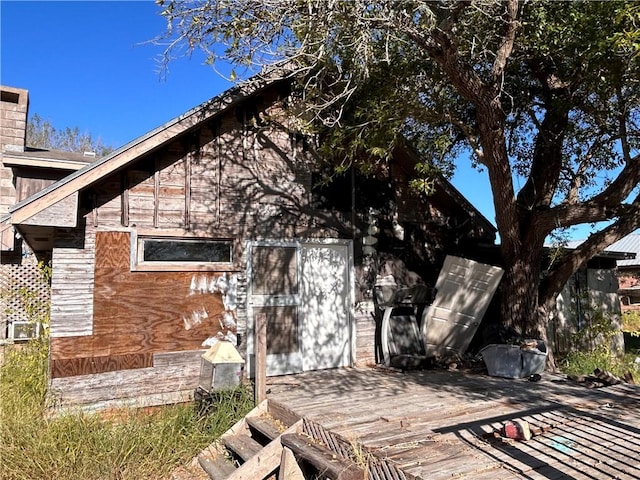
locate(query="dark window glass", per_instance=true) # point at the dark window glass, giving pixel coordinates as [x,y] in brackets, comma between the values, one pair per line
[186,251]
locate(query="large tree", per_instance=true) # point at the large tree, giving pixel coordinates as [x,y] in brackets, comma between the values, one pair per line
[542,95]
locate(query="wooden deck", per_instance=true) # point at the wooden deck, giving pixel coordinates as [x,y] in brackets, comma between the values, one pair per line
[440,424]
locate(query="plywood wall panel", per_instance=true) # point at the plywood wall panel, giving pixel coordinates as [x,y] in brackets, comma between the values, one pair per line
[139,313]
[97,364]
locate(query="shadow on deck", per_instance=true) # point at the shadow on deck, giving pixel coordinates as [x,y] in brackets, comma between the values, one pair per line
[446,424]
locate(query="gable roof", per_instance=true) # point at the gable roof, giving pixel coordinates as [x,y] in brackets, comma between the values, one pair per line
[45,158]
[148,142]
[629,244]
[447,187]
[129,153]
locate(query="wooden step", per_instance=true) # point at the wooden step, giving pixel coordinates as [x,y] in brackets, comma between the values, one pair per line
[266,425]
[242,446]
[217,468]
[321,458]
[266,462]
[282,413]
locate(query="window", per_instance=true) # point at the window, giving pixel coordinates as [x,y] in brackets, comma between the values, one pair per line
[23,330]
[182,253]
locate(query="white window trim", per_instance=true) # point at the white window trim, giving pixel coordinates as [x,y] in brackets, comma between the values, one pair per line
[139,265]
[11,330]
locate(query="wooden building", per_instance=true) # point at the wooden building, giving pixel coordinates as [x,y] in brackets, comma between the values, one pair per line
[187,233]
[629,272]
[24,170]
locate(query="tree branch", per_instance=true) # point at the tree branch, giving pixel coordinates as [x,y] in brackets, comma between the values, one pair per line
[552,284]
[506,45]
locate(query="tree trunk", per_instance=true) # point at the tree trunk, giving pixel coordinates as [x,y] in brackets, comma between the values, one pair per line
[519,291]
[542,320]
[522,308]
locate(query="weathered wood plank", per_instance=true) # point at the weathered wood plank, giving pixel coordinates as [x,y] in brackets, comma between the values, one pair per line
[63,213]
[71,312]
[323,460]
[241,445]
[265,425]
[289,468]
[439,424]
[282,413]
[265,462]
[218,468]
[102,387]
[177,358]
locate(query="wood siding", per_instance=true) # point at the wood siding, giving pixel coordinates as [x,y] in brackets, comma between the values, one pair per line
[138,388]
[72,284]
[237,176]
[136,315]
[365,354]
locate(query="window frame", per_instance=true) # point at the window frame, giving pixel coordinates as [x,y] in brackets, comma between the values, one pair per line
[11,330]
[139,264]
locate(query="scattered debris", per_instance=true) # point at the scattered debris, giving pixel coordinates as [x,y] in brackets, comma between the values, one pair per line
[517,430]
[454,361]
[601,378]
[563,444]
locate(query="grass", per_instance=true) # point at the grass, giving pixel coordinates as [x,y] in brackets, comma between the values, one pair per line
[127,444]
[584,363]
[601,333]
[631,321]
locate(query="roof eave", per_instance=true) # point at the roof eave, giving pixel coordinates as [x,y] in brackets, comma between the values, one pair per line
[88,174]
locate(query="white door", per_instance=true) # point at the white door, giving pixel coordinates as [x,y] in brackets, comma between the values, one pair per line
[326,338]
[464,290]
[303,291]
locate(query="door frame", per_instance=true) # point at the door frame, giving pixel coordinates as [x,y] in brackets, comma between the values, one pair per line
[299,243]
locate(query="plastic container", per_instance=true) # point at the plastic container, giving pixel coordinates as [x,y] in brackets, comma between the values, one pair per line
[534,359]
[512,361]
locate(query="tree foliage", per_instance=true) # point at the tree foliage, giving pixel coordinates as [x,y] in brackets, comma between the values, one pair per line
[42,134]
[542,95]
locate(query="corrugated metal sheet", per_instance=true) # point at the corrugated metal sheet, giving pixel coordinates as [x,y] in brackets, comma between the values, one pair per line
[628,244]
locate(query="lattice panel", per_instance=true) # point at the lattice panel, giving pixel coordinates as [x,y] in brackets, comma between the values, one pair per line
[24,295]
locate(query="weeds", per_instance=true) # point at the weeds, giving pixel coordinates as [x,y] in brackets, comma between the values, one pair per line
[127,444]
[631,322]
[584,361]
[581,363]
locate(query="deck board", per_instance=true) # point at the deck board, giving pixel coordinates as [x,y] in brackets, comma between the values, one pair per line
[442,424]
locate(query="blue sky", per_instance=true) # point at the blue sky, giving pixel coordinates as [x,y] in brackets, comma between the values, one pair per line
[90,64]
[86,64]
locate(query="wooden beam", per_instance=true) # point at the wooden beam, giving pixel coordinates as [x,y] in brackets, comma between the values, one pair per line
[261,358]
[322,459]
[266,462]
[289,468]
[124,181]
[156,191]
[187,190]
[43,163]
[63,213]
